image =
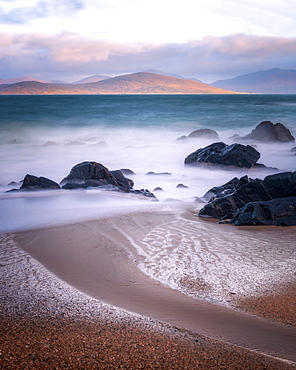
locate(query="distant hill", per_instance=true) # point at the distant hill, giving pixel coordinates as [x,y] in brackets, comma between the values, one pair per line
[170,74]
[10,81]
[272,81]
[91,79]
[135,83]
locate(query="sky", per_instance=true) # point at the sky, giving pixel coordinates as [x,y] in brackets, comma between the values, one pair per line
[205,39]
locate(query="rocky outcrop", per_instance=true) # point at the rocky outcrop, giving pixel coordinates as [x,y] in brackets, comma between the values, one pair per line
[266,131]
[204,133]
[230,201]
[94,174]
[85,175]
[31,182]
[279,212]
[220,154]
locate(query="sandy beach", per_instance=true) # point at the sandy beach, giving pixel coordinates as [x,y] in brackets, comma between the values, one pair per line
[80,296]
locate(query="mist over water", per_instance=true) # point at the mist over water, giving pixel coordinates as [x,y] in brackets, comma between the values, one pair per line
[48,135]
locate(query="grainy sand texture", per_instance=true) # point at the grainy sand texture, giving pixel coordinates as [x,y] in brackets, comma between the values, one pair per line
[78,296]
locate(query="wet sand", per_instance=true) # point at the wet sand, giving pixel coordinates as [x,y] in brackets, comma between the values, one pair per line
[96,258]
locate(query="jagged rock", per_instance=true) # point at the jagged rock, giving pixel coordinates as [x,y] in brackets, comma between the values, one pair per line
[204,133]
[280,212]
[93,174]
[227,200]
[220,154]
[281,185]
[246,190]
[220,191]
[31,182]
[268,132]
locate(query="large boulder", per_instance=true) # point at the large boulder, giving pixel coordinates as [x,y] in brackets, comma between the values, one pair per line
[226,205]
[281,185]
[228,201]
[204,133]
[279,212]
[94,174]
[220,154]
[31,182]
[268,132]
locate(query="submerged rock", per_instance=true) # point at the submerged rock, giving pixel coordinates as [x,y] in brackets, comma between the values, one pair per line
[229,201]
[220,154]
[268,132]
[151,173]
[204,133]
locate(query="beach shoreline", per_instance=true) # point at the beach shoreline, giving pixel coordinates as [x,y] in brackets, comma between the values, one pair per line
[48,322]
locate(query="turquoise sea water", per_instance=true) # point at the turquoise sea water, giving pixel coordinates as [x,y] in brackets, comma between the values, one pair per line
[48,135]
[169,111]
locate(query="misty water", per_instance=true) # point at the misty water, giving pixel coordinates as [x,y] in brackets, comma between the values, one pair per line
[47,135]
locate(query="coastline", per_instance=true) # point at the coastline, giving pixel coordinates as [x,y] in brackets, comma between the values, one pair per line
[53,317]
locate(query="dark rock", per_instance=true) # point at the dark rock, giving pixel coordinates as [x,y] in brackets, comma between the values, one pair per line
[158,173]
[181,186]
[101,144]
[246,190]
[127,171]
[222,207]
[205,133]
[252,191]
[235,155]
[281,185]
[158,189]
[145,193]
[280,212]
[227,201]
[93,174]
[31,182]
[293,149]
[268,132]
[49,143]
[121,181]
[221,191]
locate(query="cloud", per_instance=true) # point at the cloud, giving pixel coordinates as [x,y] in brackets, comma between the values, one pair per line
[209,59]
[41,9]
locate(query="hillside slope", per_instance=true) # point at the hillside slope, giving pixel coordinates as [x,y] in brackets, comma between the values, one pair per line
[272,81]
[135,83]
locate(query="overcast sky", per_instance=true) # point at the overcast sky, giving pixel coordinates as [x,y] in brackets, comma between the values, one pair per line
[205,39]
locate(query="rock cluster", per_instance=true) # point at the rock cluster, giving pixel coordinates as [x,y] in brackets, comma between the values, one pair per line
[220,154]
[246,201]
[85,175]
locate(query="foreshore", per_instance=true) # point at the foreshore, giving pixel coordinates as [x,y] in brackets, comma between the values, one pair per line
[47,323]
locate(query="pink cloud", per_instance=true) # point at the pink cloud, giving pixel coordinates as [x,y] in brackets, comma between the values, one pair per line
[68,53]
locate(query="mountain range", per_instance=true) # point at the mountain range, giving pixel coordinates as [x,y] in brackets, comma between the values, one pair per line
[272,81]
[135,83]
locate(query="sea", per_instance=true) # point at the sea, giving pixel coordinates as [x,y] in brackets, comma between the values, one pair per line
[47,135]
